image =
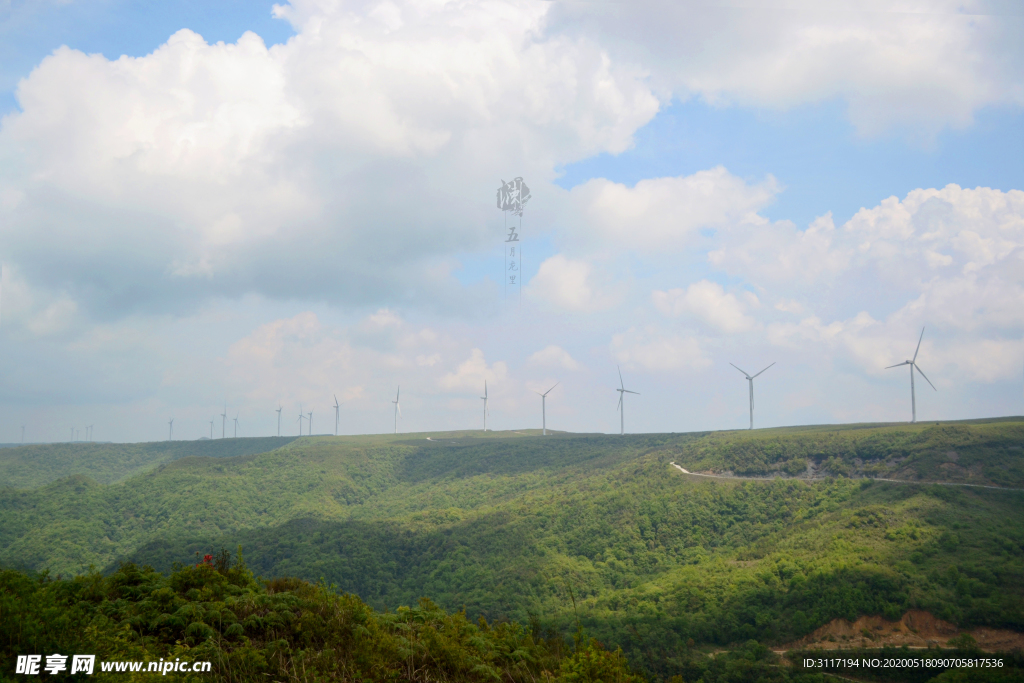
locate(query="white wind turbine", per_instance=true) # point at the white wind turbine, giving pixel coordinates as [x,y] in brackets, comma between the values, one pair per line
[224,420]
[236,425]
[211,429]
[484,399]
[301,418]
[398,408]
[170,430]
[622,404]
[750,381]
[544,409]
[310,424]
[278,411]
[337,414]
[913,365]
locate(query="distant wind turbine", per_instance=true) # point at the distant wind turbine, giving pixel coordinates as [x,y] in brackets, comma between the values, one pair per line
[750,381]
[170,430]
[236,425]
[301,418]
[544,410]
[398,408]
[310,422]
[913,365]
[211,429]
[88,436]
[224,420]
[72,434]
[484,399]
[622,403]
[337,414]
[278,411]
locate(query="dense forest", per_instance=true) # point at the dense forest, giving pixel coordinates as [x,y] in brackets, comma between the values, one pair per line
[589,531]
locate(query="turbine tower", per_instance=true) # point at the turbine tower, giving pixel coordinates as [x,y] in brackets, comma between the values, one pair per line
[211,429]
[544,410]
[337,414]
[170,430]
[278,411]
[224,420]
[236,425]
[310,422]
[484,399]
[398,408]
[913,365]
[301,418]
[89,434]
[622,404]
[750,381]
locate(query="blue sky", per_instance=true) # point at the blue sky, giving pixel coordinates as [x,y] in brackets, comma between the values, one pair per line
[275,223]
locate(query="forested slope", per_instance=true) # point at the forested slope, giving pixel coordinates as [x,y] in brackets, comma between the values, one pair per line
[35,465]
[522,527]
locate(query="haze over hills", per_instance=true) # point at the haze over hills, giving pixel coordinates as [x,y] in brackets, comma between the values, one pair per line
[507,525]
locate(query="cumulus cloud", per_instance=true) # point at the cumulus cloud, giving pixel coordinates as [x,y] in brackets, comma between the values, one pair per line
[471,373]
[920,66]
[709,302]
[570,285]
[346,165]
[553,356]
[654,350]
[664,214]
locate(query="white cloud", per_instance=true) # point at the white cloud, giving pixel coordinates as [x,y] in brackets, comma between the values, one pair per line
[709,302]
[652,349]
[471,373]
[346,165]
[570,285]
[922,66]
[664,214]
[553,356]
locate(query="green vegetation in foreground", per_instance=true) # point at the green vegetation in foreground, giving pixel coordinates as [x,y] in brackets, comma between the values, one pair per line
[284,630]
[292,630]
[31,466]
[517,528]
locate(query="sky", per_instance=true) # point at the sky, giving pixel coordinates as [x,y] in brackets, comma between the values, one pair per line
[225,208]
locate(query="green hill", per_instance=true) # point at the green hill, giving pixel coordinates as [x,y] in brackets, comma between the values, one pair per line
[35,465]
[516,526]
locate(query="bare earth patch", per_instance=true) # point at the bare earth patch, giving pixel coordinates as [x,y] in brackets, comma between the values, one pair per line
[915,629]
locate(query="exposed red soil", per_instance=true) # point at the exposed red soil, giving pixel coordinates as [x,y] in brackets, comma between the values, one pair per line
[915,629]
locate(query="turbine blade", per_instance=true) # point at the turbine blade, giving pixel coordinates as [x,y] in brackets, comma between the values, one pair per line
[918,344]
[925,377]
[549,390]
[621,383]
[631,392]
[906,362]
[399,409]
[619,404]
[762,371]
[741,370]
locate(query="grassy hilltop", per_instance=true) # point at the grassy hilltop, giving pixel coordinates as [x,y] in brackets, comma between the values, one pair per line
[515,526]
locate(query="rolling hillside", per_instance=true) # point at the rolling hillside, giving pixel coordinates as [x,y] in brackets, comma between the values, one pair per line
[515,526]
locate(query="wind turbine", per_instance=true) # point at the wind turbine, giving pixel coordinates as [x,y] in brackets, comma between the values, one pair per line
[544,410]
[398,408]
[301,418]
[72,434]
[278,411]
[311,422]
[622,404]
[913,364]
[484,399]
[170,430]
[224,420]
[236,425]
[211,429]
[89,435]
[750,381]
[337,414]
